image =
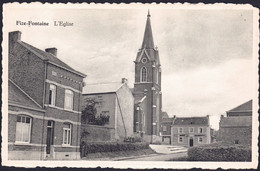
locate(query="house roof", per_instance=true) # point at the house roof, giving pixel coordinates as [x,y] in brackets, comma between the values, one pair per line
[102,88]
[236,121]
[191,121]
[48,56]
[167,120]
[17,96]
[247,106]
[165,115]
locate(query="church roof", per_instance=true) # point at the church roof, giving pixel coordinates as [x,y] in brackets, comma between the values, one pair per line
[99,88]
[17,96]
[139,99]
[148,50]
[240,121]
[148,35]
[191,121]
[247,106]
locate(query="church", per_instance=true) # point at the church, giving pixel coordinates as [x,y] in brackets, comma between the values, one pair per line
[147,89]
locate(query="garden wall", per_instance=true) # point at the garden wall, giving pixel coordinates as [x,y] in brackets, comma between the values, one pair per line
[96,133]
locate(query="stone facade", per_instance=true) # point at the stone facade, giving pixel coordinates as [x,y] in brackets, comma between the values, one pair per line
[148,85]
[116,101]
[190,132]
[32,72]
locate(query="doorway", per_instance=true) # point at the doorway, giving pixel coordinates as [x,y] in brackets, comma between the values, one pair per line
[191,142]
[50,130]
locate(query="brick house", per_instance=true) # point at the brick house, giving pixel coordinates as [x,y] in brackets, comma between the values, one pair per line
[236,127]
[28,143]
[190,131]
[55,89]
[147,88]
[166,129]
[116,101]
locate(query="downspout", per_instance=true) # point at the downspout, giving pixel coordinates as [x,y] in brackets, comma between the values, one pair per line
[121,113]
[78,121]
[43,104]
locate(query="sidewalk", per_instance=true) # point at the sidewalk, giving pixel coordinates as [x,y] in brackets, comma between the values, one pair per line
[168,149]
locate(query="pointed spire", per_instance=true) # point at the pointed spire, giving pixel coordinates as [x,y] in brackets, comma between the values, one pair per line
[148,36]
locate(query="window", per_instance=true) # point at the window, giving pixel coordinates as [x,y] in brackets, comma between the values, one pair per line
[144,60]
[23,129]
[52,94]
[200,130]
[200,140]
[180,140]
[191,130]
[164,128]
[180,130]
[68,99]
[66,134]
[143,74]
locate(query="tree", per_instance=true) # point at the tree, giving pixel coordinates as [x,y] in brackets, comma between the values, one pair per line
[89,111]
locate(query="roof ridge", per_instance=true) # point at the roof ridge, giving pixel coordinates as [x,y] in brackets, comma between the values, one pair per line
[32,48]
[25,93]
[240,105]
[24,44]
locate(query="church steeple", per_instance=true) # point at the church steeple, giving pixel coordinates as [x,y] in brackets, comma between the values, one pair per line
[148,35]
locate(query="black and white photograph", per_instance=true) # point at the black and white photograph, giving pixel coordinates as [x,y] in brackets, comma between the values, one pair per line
[130,85]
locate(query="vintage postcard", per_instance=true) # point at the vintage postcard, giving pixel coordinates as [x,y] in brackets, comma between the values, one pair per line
[130,85]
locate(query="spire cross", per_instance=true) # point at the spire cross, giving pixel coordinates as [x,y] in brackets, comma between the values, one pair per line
[148,13]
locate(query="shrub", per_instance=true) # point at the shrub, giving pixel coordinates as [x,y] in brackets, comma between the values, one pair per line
[219,152]
[113,146]
[133,139]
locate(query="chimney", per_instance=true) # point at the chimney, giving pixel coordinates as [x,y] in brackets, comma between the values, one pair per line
[124,80]
[52,51]
[15,36]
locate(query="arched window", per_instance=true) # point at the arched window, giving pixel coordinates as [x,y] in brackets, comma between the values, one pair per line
[143,74]
[23,128]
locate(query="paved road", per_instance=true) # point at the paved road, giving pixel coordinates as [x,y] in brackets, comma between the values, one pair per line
[159,157]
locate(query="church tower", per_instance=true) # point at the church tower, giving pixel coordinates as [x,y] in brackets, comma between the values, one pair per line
[147,88]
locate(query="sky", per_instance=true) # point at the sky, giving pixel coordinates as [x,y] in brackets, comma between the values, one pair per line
[206,55]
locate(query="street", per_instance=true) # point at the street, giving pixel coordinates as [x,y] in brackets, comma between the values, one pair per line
[157,157]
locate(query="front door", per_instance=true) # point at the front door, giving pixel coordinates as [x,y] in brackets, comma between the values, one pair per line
[49,142]
[191,142]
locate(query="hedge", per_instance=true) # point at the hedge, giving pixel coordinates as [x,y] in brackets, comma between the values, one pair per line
[218,152]
[113,146]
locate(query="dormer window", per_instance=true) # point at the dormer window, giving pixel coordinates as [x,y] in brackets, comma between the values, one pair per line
[143,74]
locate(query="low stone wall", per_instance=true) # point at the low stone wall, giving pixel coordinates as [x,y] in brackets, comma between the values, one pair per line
[96,133]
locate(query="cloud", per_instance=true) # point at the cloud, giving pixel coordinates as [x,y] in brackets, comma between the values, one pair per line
[208,90]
